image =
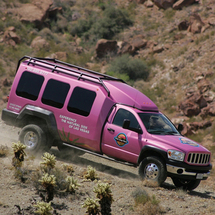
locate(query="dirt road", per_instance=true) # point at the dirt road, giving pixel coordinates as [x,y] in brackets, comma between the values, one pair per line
[124,180]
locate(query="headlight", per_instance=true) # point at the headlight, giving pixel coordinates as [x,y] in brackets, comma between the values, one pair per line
[175,155]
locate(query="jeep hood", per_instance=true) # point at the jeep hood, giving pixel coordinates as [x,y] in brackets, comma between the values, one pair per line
[176,142]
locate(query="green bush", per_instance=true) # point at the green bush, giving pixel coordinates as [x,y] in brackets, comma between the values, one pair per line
[105,25]
[134,68]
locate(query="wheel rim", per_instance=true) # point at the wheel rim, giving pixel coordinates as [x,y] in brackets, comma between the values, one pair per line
[151,171]
[30,139]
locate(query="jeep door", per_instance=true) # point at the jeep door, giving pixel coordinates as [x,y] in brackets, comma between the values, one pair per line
[120,142]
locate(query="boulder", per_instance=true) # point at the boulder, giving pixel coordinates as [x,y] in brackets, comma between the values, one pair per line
[195,23]
[104,47]
[59,55]
[35,12]
[208,111]
[193,104]
[164,4]
[183,25]
[125,48]
[182,3]
[39,43]
[138,42]
[203,85]
[10,37]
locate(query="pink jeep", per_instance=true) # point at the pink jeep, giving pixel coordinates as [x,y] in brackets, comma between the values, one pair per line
[60,104]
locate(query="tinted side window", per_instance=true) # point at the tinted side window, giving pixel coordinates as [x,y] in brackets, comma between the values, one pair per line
[29,85]
[55,93]
[121,115]
[81,101]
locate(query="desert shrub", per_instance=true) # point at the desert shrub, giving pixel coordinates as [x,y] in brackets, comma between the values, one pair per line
[71,184]
[90,173]
[92,206]
[4,151]
[146,204]
[49,162]
[134,68]
[106,25]
[169,13]
[48,182]
[104,194]
[43,208]
[19,154]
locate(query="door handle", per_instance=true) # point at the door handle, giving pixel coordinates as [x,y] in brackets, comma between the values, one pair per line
[110,129]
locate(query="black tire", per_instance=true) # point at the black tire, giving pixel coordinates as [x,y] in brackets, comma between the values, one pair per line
[153,169]
[186,184]
[34,138]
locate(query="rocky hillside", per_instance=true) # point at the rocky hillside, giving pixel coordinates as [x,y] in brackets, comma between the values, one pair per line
[174,39]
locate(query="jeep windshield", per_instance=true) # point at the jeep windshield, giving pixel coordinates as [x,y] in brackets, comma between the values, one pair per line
[157,123]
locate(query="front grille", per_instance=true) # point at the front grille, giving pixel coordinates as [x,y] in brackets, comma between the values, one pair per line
[198,158]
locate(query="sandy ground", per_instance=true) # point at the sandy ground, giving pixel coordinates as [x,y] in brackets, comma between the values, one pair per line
[18,198]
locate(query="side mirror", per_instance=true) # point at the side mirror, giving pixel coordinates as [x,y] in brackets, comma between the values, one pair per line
[126,124]
[180,127]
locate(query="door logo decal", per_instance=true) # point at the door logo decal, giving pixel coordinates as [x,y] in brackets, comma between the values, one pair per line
[121,139]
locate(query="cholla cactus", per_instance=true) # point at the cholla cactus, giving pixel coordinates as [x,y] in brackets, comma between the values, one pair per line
[92,206]
[72,184]
[91,173]
[19,154]
[68,168]
[44,208]
[48,182]
[48,161]
[103,192]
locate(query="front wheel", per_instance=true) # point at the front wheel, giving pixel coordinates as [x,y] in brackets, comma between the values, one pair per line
[186,184]
[153,169]
[34,138]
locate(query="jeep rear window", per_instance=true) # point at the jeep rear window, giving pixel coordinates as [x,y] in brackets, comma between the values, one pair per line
[29,85]
[55,93]
[81,101]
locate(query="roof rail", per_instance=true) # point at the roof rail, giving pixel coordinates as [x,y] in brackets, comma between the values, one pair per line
[55,65]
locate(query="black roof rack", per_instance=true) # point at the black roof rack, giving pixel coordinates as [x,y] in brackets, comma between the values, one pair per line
[76,71]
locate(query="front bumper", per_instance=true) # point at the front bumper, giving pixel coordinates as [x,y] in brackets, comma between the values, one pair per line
[180,172]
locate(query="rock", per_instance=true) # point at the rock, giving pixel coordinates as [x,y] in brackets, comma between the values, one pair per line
[104,46]
[157,49]
[6,82]
[35,12]
[203,85]
[192,105]
[39,43]
[164,4]
[208,111]
[200,125]
[195,23]
[211,20]
[5,99]
[148,4]
[125,48]
[187,130]
[10,37]
[138,42]
[182,3]
[140,1]
[183,25]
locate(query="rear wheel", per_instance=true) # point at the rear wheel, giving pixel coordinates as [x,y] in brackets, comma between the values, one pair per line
[186,184]
[153,169]
[34,138]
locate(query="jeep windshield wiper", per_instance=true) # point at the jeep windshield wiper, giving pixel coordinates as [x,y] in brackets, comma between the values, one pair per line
[163,132]
[156,131]
[172,132]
